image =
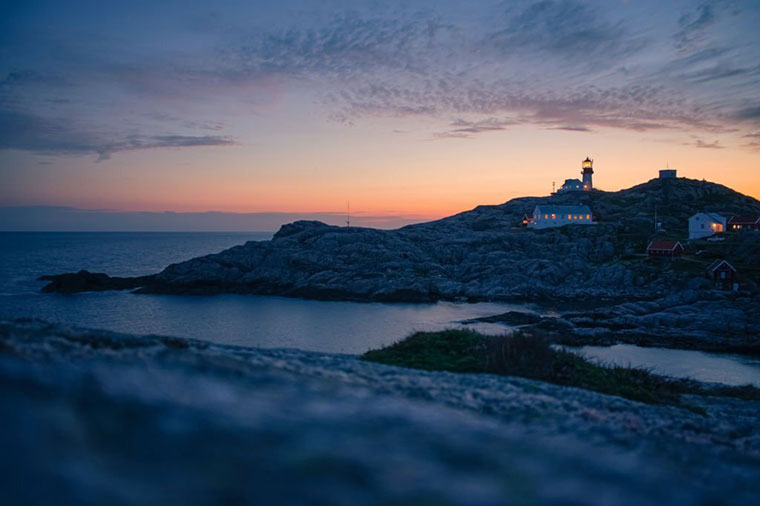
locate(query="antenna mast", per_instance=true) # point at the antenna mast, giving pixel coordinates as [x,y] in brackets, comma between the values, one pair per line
[656,228]
[348,214]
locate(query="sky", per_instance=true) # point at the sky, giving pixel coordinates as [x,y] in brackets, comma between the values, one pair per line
[409,110]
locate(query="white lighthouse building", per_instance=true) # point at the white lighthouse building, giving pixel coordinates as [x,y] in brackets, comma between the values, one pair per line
[588,174]
[587,184]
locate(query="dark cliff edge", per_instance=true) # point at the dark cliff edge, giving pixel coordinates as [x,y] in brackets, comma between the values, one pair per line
[478,255]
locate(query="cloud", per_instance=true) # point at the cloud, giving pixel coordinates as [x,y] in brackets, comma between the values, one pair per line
[722,70]
[561,64]
[53,136]
[635,107]
[347,46]
[568,28]
[754,143]
[692,26]
[751,113]
[708,145]
[571,128]
[463,128]
[134,143]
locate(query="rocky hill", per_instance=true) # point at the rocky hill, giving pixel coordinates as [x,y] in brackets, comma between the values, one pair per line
[482,254]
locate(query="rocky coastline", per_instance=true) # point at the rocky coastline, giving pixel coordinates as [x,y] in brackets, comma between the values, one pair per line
[706,321]
[477,255]
[484,254]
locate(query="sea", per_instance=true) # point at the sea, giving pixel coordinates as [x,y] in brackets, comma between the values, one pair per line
[264,321]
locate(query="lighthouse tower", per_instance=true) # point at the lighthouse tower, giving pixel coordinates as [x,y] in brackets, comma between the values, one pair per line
[588,173]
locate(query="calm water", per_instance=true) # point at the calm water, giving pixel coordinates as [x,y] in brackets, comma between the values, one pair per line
[344,327]
[727,369]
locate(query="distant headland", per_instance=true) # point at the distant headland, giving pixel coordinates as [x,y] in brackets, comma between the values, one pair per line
[528,249]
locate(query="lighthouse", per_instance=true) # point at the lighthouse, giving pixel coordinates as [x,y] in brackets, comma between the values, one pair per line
[588,173]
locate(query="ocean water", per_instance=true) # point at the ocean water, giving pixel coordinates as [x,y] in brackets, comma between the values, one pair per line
[249,320]
[263,321]
[728,369]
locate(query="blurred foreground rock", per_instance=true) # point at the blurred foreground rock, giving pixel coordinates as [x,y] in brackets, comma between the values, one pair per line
[92,418]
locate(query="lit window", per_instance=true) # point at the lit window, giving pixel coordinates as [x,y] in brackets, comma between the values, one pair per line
[569,216]
[554,216]
[588,216]
[546,216]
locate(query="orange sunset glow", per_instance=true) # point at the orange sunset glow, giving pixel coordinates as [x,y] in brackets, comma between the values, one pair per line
[228,127]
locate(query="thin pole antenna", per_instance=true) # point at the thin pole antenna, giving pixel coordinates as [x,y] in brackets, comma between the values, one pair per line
[348,213]
[554,187]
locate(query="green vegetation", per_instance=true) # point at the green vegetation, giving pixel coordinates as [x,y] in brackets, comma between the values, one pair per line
[533,357]
[450,350]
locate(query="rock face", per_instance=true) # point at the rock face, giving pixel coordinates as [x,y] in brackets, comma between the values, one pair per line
[688,320]
[85,281]
[476,255]
[90,417]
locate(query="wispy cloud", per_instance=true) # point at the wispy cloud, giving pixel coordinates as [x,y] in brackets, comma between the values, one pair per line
[754,143]
[56,136]
[751,113]
[570,128]
[566,28]
[461,128]
[692,25]
[709,145]
[134,143]
[572,65]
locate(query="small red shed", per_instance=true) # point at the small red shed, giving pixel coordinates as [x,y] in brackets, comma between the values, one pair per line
[661,248]
[722,274]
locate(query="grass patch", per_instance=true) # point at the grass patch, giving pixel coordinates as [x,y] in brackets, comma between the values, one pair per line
[527,356]
[450,350]
[744,392]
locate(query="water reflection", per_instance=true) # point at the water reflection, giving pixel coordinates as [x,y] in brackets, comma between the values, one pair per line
[698,365]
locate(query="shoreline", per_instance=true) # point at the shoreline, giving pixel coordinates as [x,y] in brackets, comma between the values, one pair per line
[686,317]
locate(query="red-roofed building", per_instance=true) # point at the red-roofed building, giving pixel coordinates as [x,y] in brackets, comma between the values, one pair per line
[744,223]
[660,248]
[722,274]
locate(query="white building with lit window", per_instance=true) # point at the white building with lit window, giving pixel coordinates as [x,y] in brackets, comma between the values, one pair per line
[547,216]
[706,224]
